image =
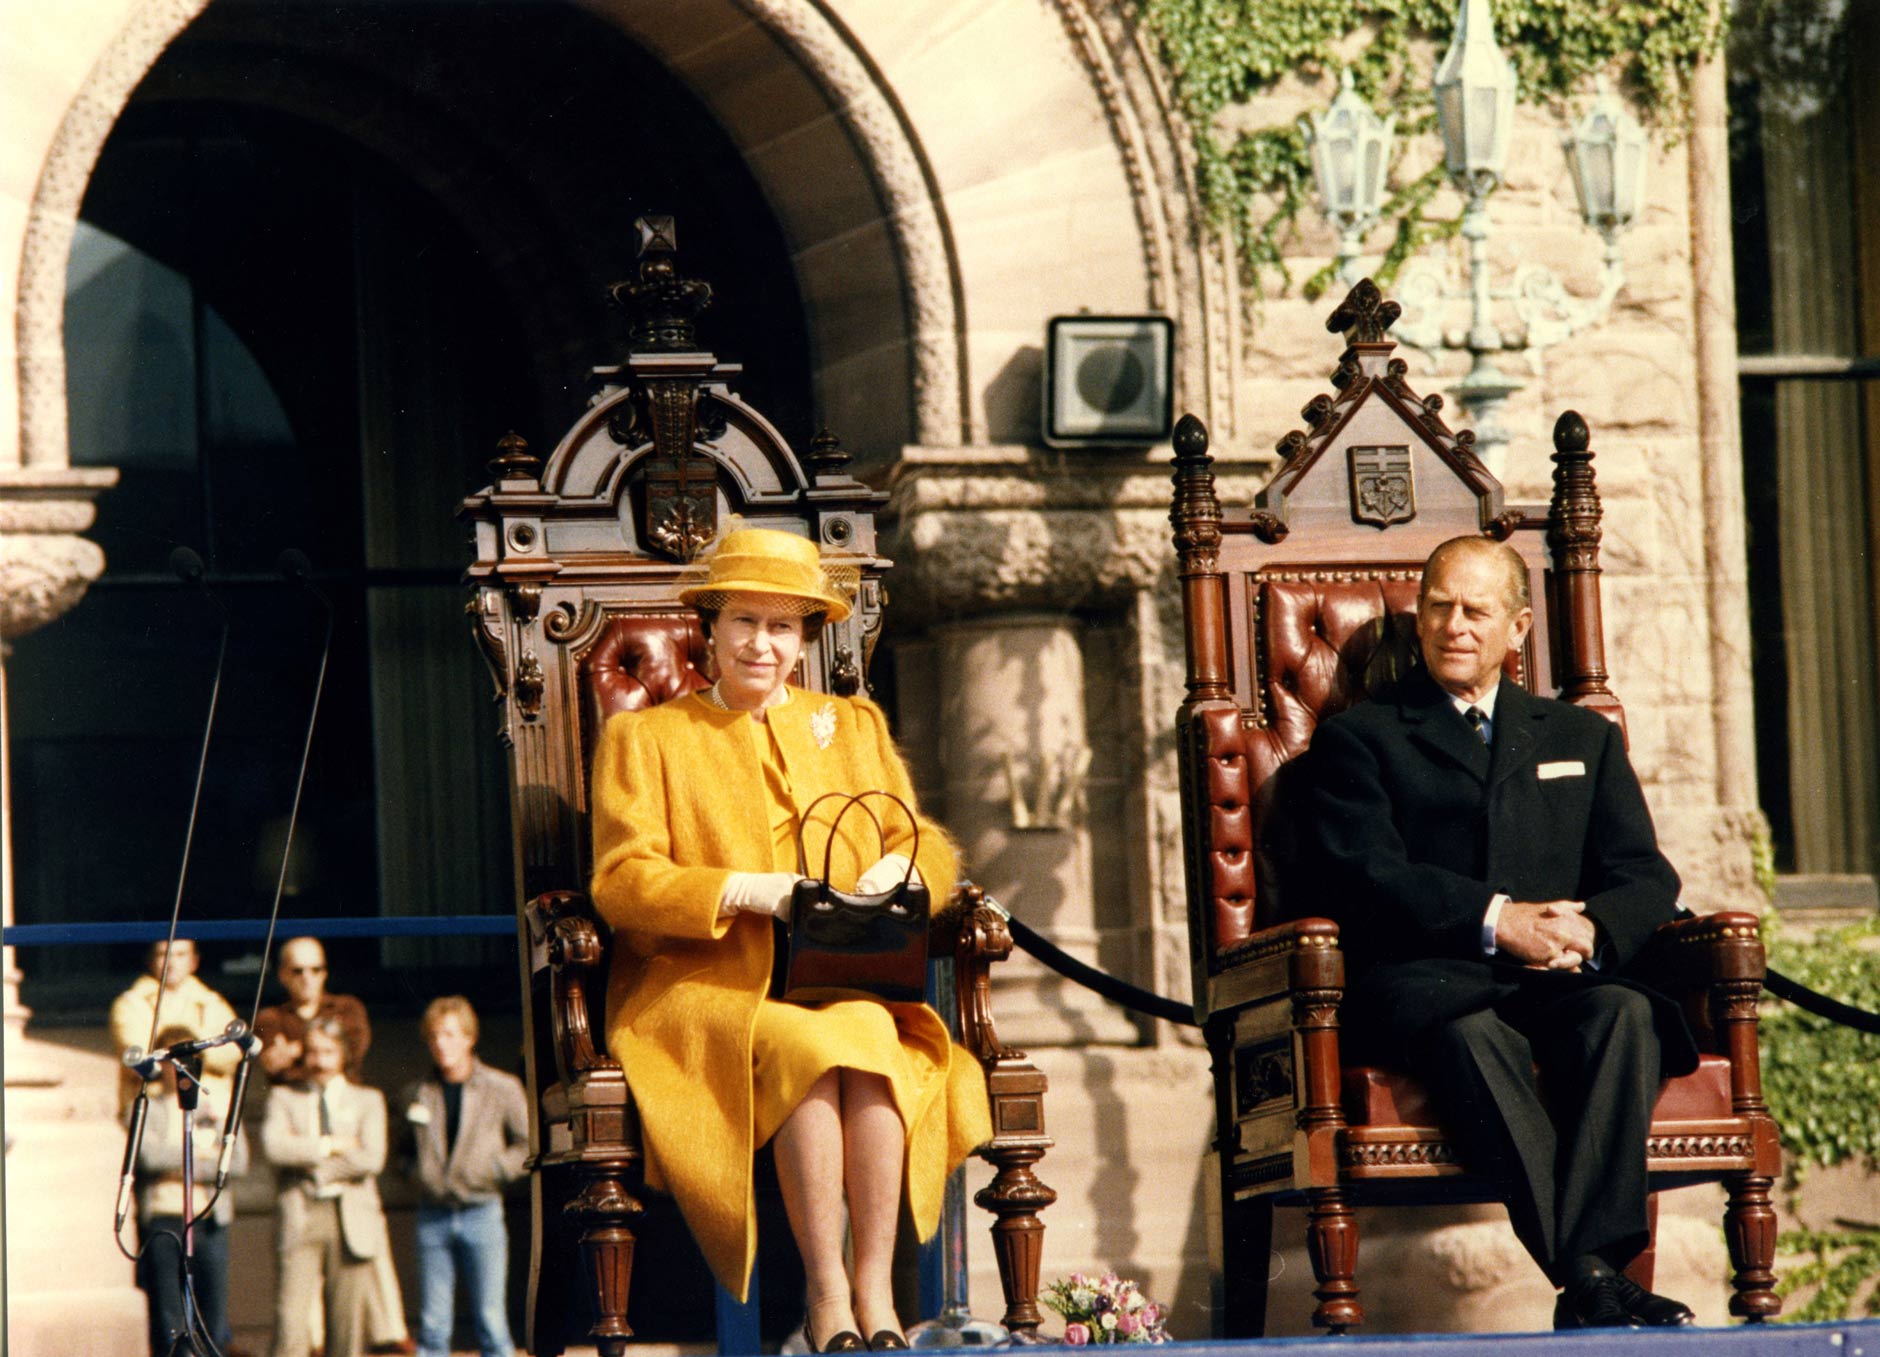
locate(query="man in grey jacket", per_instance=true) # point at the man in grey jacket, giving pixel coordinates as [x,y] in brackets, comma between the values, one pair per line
[469,1128]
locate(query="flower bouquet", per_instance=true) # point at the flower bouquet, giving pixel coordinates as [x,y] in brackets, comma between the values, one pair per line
[1106,1309]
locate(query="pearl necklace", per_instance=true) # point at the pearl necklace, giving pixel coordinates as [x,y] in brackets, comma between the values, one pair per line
[711,695]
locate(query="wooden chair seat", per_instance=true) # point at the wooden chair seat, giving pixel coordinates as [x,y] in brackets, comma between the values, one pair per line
[1375,1098]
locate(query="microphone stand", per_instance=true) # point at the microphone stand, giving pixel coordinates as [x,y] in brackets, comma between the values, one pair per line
[188,1091]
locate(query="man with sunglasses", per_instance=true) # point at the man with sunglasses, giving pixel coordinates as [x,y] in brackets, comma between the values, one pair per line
[283,1027]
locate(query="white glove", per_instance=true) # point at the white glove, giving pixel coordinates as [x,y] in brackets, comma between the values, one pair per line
[886,875]
[758,893]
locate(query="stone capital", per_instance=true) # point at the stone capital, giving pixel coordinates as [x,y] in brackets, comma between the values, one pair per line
[45,565]
[1014,527]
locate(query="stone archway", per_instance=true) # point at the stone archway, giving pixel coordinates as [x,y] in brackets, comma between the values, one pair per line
[903,363]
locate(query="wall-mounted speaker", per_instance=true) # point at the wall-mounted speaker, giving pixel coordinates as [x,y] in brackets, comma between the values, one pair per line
[1108,379]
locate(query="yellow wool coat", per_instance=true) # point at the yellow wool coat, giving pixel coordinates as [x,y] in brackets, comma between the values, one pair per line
[680,802]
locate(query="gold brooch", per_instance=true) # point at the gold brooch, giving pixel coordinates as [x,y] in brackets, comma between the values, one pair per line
[822,725]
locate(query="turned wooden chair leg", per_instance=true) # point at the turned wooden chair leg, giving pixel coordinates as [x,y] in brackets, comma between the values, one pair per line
[603,1209]
[1749,1228]
[1332,1242]
[1016,1196]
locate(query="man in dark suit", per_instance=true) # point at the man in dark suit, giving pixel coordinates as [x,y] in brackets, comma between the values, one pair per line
[1492,864]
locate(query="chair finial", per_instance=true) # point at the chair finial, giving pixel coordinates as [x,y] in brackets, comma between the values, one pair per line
[1364,315]
[663,304]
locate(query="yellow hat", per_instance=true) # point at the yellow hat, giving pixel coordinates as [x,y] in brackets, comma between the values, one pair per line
[780,565]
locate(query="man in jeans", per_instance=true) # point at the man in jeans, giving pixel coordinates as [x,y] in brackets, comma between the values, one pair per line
[469,1126]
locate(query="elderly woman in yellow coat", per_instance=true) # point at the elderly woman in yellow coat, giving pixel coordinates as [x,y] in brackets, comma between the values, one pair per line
[697,807]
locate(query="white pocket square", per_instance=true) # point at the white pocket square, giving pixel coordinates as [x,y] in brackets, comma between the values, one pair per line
[1564,768]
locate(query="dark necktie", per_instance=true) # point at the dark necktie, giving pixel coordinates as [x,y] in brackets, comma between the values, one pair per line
[1484,727]
[326,1113]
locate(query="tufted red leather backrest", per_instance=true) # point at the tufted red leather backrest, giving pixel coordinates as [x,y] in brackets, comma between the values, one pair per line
[640,660]
[1323,640]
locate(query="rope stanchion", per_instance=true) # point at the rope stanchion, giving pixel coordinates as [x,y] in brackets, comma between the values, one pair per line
[1108,986]
[1140,1000]
[1813,1001]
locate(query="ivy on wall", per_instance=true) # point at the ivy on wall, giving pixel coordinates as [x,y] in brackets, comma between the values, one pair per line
[1221,53]
[1822,1082]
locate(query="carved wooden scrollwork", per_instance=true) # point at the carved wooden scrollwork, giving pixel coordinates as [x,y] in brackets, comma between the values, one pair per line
[1501,527]
[1364,316]
[565,624]
[531,680]
[1269,528]
[486,625]
[525,601]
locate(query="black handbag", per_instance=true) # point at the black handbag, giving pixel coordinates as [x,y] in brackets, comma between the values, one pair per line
[840,945]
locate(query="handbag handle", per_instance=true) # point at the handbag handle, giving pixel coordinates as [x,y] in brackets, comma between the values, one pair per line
[881,837]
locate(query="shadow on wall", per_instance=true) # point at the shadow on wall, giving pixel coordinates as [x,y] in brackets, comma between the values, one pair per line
[1015,398]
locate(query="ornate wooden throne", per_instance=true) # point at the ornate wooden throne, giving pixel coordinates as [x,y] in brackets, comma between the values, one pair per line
[576,564]
[1295,608]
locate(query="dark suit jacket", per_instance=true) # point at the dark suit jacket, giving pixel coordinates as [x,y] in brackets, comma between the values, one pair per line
[1414,826]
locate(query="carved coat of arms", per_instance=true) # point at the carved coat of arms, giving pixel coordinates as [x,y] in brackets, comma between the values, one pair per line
[1382,490]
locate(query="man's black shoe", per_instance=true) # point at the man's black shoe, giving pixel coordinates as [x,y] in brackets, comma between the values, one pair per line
[1594,1303]
[1650,1308]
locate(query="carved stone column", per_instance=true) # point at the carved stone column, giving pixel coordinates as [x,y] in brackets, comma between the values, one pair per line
[1015,797]
[1044,583]
[45,568]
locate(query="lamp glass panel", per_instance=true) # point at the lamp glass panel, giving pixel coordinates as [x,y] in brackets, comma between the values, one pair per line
[1628,177]
[1484,129]
[1449,123]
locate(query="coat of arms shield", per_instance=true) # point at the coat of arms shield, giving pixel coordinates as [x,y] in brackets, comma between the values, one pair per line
[1382,489]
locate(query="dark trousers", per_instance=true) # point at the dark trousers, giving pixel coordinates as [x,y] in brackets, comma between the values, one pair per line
[1571,1168]
[160,1274]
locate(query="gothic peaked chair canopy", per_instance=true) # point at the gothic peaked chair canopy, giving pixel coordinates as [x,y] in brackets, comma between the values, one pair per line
[1297,607]
[577,558]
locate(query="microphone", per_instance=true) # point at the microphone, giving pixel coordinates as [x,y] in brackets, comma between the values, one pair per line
[133,1141]
[293,563]
[147,1064]
[251,1047]
[187,567]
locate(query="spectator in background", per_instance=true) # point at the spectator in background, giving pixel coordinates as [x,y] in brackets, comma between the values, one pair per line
[282,1028]
[327,1137]
[469,1126]
[160,1208]
[169,983]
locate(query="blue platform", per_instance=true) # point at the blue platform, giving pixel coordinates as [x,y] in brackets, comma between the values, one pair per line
[1847,1339]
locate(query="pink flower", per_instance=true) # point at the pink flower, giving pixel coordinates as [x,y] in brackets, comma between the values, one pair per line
[1127,1323]
[1076,1334]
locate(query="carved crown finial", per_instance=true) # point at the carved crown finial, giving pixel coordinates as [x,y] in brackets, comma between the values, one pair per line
[662,304]
[1364,315]
[513,459]
[826,454]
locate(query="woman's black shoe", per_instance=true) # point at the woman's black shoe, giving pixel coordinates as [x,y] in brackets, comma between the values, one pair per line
[846,1341]
[887,1340]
